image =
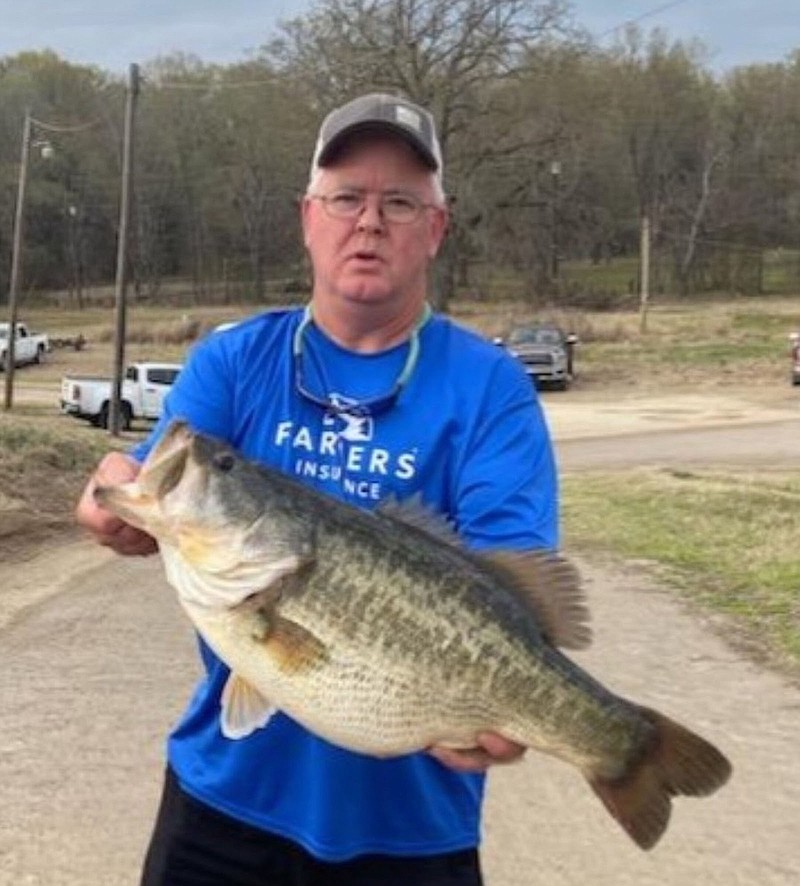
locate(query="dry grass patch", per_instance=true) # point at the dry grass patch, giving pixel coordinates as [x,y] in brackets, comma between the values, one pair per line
[183,331]
[727,539]
[44,463]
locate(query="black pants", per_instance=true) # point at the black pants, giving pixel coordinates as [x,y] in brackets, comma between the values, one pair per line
[193,845]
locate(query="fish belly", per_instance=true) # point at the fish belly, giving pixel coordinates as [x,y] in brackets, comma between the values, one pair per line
[351,696]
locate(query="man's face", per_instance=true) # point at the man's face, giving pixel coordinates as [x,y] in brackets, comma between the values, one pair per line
[368,258]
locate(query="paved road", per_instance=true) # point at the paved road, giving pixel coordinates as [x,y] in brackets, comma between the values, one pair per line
[92,677]
[759,445]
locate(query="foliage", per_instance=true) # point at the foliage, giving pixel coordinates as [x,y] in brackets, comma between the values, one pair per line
[554,149]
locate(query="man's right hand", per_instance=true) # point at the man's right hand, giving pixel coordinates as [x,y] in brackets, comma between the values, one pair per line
[107,528]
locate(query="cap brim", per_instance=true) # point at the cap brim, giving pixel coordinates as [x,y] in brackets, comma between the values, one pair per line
[337,142]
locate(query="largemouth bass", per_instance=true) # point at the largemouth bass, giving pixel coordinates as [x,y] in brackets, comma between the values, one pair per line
[381,633]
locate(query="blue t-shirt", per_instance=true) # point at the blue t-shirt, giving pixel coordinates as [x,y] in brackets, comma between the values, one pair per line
[468,434]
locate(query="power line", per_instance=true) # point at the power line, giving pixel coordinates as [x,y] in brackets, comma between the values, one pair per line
[208,86]
[649,14]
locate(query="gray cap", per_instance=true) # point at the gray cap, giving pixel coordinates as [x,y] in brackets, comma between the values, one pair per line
[379,112]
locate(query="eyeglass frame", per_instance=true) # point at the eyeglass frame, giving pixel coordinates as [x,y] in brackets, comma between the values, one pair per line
[419,204]
[374,406]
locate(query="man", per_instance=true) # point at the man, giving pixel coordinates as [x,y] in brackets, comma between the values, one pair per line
[363,395]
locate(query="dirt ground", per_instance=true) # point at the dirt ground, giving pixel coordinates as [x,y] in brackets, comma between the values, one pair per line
[96,661]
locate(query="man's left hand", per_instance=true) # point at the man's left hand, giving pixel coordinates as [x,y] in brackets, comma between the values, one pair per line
[491,748]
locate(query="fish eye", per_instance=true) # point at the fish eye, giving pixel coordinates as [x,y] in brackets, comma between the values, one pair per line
[224,461]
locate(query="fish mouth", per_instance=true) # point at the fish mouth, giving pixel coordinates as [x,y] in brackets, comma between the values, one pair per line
[161,472]
[164,466]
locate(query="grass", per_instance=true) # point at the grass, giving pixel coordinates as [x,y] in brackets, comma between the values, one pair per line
[45,460]
[686,344]
[726,539]
[710,354]
[780,272]
[736,342]
[620,275]
[58,444]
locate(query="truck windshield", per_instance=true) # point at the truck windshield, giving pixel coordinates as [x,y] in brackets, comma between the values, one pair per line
[535,336]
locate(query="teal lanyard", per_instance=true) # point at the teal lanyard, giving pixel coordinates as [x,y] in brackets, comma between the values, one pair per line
[375,405]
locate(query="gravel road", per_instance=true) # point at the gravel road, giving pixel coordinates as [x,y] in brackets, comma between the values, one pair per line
[96,661]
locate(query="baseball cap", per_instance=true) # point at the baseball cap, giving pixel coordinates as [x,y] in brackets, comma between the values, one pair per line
[378,112]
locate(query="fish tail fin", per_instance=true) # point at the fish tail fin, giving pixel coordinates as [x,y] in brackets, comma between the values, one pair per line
[675,762]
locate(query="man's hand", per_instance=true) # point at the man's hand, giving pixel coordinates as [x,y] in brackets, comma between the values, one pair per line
[492,748]
[107,528]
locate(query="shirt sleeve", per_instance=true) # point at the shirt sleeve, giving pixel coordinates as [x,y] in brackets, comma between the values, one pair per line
[202,395]
[506,489]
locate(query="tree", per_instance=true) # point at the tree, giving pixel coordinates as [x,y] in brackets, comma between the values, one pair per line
[267,134]
[663,111]
[65,98]
[448,55]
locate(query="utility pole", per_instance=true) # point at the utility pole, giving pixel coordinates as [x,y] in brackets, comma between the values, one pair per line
[555,174]
[644,272]
[115,412]
[16,262]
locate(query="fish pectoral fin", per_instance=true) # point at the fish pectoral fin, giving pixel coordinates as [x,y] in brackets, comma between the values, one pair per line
[293,648]
[244,709]
[551,586]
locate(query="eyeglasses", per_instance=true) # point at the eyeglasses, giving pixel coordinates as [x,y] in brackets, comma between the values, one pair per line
[340,406]
[397,207]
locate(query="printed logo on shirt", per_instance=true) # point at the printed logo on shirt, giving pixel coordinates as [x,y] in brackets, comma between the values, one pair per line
[343,455]
[349,426]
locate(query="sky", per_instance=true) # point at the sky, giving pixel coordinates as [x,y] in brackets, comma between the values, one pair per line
[735,32]
[111,34]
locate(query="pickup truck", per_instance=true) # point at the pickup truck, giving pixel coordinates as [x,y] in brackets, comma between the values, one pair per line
[545,351]
[29,347]
[794,340]
[144,387]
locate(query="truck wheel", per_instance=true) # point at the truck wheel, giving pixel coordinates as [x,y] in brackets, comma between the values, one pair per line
[125,417]
[39,354]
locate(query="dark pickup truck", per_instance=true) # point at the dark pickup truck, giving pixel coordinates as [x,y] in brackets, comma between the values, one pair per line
[794,340]
[545,351]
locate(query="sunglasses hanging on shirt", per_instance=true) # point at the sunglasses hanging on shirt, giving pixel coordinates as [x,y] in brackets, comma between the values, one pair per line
[371,407]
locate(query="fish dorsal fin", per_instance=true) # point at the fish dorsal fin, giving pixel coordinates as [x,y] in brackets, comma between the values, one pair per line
[244,708]
[551,586]
[414,512]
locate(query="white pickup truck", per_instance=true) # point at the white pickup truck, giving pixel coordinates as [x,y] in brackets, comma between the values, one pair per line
[143,390]
[29,347]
